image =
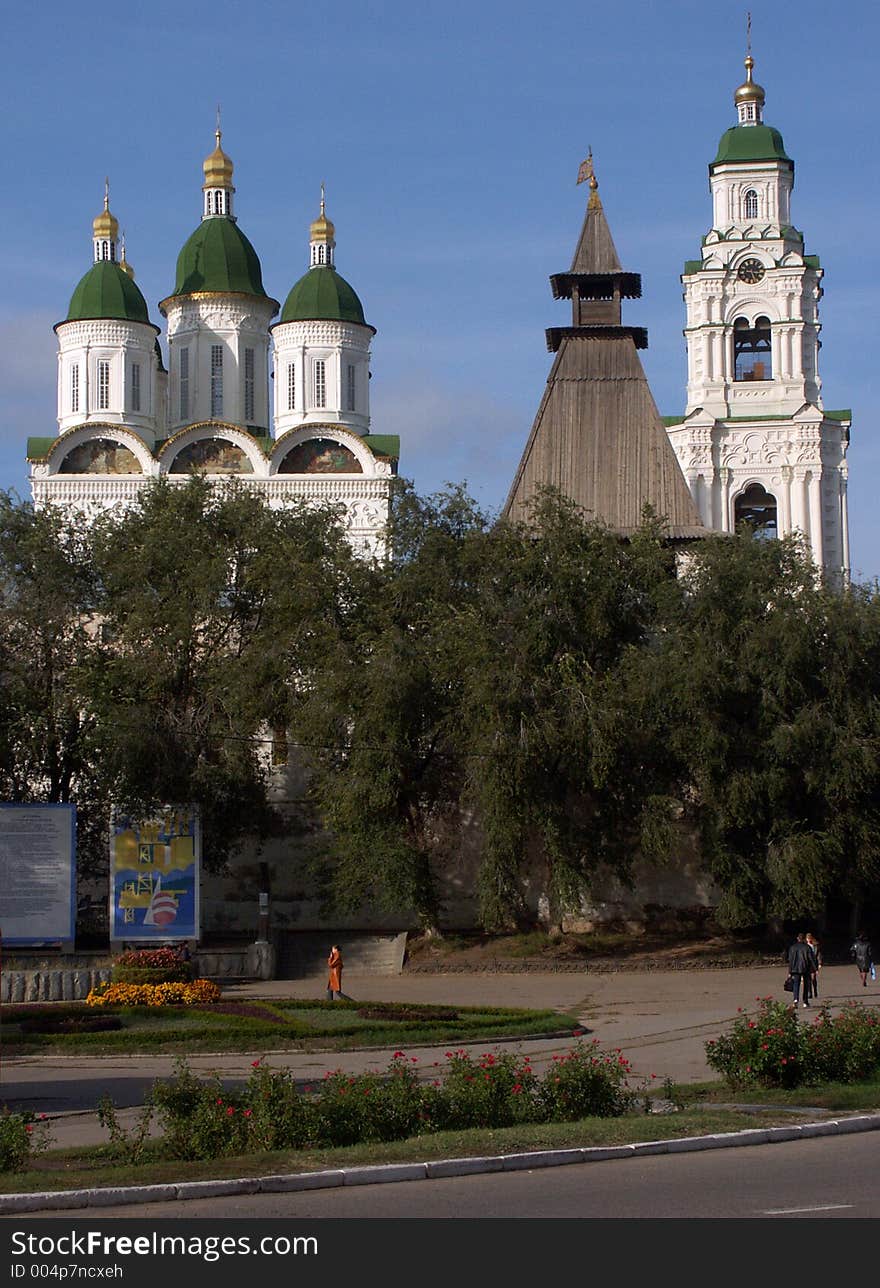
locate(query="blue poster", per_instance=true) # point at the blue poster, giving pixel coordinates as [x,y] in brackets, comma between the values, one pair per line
[154,875]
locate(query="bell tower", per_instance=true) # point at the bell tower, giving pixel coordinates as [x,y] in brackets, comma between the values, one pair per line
[756,444]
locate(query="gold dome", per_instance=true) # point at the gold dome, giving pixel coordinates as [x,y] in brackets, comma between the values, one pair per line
[105,225]
[218,167]
[749,92]
[322,229]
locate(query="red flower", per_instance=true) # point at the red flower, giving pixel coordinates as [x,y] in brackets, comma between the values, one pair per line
[247,1113]
[255,1064]
[219,1101]
[229,1111]
[398,1055]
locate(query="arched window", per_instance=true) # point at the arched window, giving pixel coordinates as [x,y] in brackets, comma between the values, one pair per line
[750,204]
[755,508]
[321,253]
[752,358]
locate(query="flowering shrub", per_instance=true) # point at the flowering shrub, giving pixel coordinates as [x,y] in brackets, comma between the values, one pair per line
[275,1115]
[773,1049]
[496,1091]
[761,1050]
[158,958]
[842,1048]
[584,1084]
[22,1135]
[151,966]
[201,1119]
[170,994]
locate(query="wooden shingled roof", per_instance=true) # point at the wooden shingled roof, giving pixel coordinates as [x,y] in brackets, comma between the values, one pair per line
[598,436]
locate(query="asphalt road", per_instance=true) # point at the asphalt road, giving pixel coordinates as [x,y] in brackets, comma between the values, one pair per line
[828,1177]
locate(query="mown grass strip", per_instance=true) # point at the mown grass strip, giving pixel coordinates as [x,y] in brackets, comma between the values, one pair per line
[92,1168]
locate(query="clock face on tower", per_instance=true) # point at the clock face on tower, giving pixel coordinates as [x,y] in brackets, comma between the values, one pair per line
[751,271]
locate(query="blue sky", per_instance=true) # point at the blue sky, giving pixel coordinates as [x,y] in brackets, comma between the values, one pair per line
[449,137]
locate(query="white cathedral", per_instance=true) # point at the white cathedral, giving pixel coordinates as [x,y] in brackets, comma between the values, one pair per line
[124,419]
[756,443]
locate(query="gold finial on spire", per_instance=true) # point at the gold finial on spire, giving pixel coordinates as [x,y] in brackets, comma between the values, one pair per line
[105,225]
[322,230]
[749,91]
[218,166]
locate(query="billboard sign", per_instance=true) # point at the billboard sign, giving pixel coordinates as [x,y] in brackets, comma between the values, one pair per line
[154,875]
[37,873]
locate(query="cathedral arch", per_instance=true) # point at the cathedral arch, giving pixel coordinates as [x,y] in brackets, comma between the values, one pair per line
[98,448]
[321,449]
[756,508]
[212,448]
[752,349]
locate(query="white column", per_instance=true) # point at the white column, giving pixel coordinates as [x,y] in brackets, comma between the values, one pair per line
[784,518]
[815,500]
[724,475]
[844,526]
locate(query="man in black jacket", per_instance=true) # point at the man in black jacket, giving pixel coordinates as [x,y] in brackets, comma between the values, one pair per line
[801,964]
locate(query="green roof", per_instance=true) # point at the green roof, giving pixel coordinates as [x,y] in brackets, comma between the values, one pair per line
[751,143]
[812,261]
[383,444]
[692,266]
[218,257]
[107,292]
[38,448]
[322,295]
[844,414]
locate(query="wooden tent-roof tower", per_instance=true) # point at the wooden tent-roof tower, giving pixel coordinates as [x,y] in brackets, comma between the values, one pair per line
[598,436]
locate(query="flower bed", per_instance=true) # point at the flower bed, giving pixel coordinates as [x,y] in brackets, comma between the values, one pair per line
[772,1048]
[193,993]
[203,1120]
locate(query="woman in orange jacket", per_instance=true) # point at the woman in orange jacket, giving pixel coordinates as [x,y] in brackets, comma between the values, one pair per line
[334,977]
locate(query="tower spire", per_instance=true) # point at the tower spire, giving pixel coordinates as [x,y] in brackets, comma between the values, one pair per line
[218,187]
[749,97]
[322,239]
[105,230]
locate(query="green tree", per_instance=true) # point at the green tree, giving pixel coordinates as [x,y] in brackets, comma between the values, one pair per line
[48,728]
[215,611]
[774,678]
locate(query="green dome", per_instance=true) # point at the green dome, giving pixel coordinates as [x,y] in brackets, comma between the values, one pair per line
[218,257]
[751,143]
[107,291]
[322,295]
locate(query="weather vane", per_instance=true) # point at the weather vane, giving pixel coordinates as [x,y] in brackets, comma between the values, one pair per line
[586,170]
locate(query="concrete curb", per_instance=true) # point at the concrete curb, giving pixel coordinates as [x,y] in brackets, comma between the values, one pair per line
[390,1172]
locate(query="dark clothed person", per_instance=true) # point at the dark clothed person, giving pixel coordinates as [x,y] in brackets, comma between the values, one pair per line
[801,964]
[863,957]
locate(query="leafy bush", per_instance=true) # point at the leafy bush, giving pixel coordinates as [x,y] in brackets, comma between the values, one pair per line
[276,1115]
[201,1119]
[496,1091]
[158,958]
[585,1084]
[22,1135]
[842,1048]
[773,1049]
[152,966]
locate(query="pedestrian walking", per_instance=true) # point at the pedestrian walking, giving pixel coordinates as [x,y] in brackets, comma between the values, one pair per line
[813,943]
[862,956]
[800,967]
[334,974]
